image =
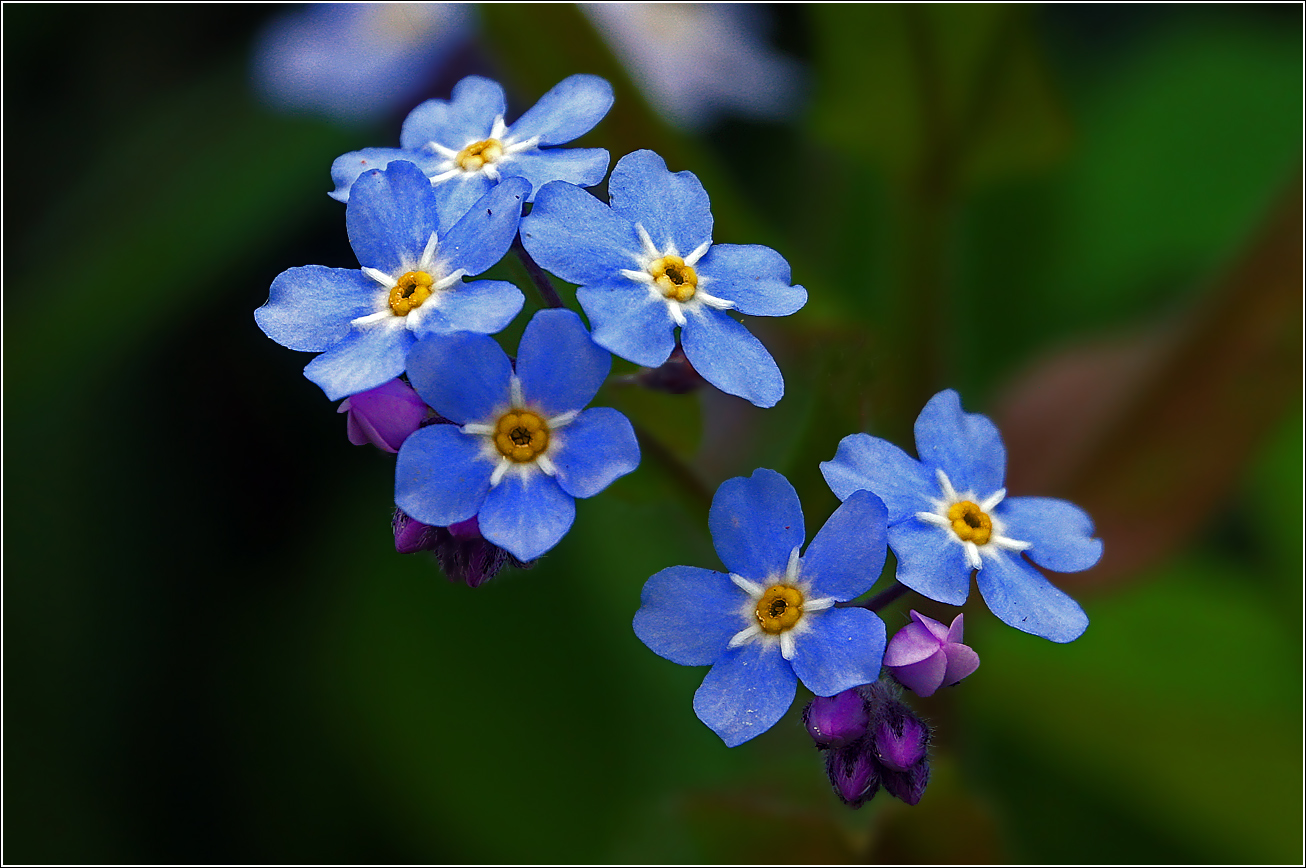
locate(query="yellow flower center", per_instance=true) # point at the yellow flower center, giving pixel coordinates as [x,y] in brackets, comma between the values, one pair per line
[779,608]
[674,278]
[970,523]
[476,155]
[410,291]
[520,435]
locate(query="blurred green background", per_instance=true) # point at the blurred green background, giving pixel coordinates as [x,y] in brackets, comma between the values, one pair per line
[1087,219]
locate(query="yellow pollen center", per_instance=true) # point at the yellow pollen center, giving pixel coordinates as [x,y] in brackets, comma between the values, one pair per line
[476,155]
[779,608]
[970,523]
[674,278]
[410,291]
[520,435]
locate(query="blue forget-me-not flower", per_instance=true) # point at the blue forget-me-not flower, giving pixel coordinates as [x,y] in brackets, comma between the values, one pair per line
[647,264]
[464,146]
[949,516]
[414,256]
[770,619]
[522,447]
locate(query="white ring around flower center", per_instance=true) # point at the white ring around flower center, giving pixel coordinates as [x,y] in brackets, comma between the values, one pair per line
[450,168]
[428,263]
[997,538]
[753,632]
[503,466]
[645,275]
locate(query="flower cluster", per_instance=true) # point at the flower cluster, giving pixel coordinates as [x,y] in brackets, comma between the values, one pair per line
[492,451]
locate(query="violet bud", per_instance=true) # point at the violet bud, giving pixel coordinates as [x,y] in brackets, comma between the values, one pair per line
[853,774]
[411,535]
[384,416]
[900,737]
[907,786]
[925,655]
[464,555]
[835,721]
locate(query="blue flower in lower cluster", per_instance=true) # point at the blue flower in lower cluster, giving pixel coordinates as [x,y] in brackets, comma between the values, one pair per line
[364,320]
[771,619]
[464,147]
[522,447]
[646,264]
[949,516]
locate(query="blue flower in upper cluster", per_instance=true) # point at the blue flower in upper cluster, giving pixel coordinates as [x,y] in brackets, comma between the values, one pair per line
[771,619]
[414,256]
[949,515]
[647,264]
[522,447]
[465,148]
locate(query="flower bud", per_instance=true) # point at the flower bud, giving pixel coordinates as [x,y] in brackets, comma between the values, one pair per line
[835,721]
[676,375]
[907,786]
[464,555]
[900,737]
[925,655]
[384,416]
[853,774]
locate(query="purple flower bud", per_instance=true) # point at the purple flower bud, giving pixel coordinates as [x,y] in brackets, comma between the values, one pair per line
[853,774]
[900,737]
[835,721]
[908,786]
[384,416]
[464,555]
[925,655]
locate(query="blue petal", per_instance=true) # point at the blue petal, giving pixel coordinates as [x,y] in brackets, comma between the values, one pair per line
[577,237]
[455,196]
[527,514]
[364,359]
[391,216]
[672,208]
[629,322]
[966,446]
[442,475]
[754,277]
[1060,532]
[483,234]
[730,358]
[746,693]
[841,649]
[597,447]
[310,308]
[904,484]
[568,111]
[347,167]
[482,306]
[584,167]
[847,555]
[560,367]
[930,561]
[688,614]
[1021,597]
[756,523]
[464,376]
[466,118]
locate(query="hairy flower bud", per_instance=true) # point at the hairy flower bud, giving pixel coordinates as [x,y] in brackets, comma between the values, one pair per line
[835,721]
[464,555]
[853,774]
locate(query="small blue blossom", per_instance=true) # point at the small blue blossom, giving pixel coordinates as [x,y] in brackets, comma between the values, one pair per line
[464,146]
[647,264]
[414,258]
[770,619]
[949,516]
[522,446]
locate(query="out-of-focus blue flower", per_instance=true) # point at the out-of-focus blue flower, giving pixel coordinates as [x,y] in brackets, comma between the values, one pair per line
[949,516]
[646,265]
[464,146]
[356,62]
[522,447]
[770,620]
[707,59]
[414,258]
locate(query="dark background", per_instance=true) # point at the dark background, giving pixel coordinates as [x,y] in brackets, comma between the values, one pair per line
[1087,219]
